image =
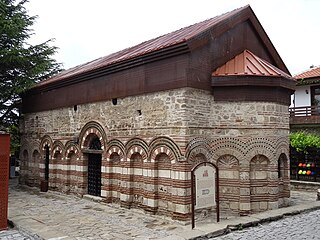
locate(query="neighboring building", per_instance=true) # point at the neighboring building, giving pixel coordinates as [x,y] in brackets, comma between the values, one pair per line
[130,126]
[305,106]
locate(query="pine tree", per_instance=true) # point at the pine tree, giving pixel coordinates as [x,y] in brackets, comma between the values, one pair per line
[21,64]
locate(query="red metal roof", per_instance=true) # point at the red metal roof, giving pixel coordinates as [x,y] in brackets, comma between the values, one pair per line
[170,39]
[310,73]
[246,63]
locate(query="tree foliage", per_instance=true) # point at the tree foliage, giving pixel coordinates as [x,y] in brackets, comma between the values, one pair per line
[21,64]
[301,141]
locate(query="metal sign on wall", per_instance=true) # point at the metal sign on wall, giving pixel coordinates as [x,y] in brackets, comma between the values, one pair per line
[204,188]
[4,178]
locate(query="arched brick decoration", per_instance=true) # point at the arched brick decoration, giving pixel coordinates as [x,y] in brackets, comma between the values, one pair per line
[198,145]
[57,146]
[229,184]
[34,145]
[259,181]
[72,147]
[88,132]
[228,145]
[261,146]
[162,150]
[282,147]
[229,162]
[45,141]
[196,157]
[164,145]
[228,150]
[112,150]
[136,146]
[25,145]
[115,146]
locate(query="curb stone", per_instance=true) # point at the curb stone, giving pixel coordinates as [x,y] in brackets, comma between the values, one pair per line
[241,226]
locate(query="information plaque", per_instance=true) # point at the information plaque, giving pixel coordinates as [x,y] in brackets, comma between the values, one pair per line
[205,187]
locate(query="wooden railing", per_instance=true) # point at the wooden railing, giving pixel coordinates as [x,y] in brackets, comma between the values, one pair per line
[304,111]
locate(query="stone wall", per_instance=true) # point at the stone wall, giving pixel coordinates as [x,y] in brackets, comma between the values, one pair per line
[149,144]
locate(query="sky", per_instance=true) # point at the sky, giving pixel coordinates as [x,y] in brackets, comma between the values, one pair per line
[85,30]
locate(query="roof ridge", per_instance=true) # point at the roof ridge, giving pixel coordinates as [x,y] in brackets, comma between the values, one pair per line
[152,45]
[177,30]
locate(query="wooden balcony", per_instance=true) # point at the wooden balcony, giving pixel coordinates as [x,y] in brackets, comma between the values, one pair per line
[306,115]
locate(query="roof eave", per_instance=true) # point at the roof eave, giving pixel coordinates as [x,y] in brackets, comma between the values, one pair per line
[174,50]
[308,81]
[253,80]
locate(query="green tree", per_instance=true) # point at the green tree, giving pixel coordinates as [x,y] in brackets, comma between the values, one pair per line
[21,64]
[302,141]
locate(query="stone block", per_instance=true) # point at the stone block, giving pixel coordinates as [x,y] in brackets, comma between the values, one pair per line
[260,175]
[244,206]
[262,190]
[273,205]
[263,206]
[234,205]
[244,175]
[244,191]
[255,206]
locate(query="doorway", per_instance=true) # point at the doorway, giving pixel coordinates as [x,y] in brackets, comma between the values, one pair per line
[94,174]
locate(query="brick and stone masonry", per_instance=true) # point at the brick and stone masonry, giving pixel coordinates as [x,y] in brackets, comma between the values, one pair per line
[148,154]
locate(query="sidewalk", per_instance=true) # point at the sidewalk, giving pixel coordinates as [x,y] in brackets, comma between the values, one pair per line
[56,216]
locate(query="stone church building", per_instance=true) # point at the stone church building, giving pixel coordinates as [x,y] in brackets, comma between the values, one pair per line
[129,127]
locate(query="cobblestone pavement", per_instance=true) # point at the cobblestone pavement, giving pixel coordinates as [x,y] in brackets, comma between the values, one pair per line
[14,234]
[302,226]
[72,217]
[56,216]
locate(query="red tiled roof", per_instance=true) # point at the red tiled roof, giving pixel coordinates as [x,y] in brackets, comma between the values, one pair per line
[310,73]
[246,63]
[152,45]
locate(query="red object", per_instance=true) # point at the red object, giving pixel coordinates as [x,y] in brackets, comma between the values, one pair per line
[4,179]
[153,45]
[304,165]
[246,63]
[310,73]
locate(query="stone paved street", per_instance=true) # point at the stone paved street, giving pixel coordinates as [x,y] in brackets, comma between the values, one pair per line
[14,234]
[303,226]
[72,217]
[58,216]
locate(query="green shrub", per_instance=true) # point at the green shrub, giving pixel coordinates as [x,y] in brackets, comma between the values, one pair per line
[301,141]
